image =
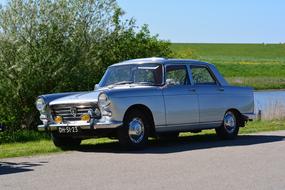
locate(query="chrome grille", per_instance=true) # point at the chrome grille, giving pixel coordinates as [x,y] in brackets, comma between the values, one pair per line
[65,111]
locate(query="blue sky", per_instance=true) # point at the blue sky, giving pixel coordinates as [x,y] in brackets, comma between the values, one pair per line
[239,21]
[209,21]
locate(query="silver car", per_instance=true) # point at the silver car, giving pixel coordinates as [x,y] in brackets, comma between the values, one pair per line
[151,97]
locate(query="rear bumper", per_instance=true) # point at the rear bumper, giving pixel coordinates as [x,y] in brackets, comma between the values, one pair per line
[249,116]
[83,126]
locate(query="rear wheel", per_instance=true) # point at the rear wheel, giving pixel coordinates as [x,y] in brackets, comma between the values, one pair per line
[135,130]
[65,142]
[230,126]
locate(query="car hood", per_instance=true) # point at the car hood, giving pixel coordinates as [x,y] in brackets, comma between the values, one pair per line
[79,98]
[92,96]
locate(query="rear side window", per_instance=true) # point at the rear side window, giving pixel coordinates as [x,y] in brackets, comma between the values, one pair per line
[202,76]
[177,75]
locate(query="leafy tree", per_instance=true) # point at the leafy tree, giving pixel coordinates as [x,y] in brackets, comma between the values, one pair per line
[51,46]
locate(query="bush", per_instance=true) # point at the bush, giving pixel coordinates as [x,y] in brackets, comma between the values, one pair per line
[59,46]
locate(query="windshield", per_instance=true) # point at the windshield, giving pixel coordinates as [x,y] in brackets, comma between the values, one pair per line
[148,74]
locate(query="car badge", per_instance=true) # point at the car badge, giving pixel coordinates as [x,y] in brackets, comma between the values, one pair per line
[73,111]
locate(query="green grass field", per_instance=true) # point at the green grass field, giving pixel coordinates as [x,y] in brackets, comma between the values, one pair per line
[261,66]
[45,146]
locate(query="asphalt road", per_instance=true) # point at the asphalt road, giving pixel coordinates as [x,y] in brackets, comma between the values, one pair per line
[249,162]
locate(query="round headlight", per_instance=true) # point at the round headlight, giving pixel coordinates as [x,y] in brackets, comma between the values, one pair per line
[103,100]
[40,104]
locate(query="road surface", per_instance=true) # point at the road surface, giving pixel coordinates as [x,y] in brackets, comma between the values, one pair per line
[249,162]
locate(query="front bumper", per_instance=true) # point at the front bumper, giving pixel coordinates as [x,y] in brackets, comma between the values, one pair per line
[249,116]
[92,125]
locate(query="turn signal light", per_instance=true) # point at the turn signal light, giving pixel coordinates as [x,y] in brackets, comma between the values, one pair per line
[85,117]
[58,119]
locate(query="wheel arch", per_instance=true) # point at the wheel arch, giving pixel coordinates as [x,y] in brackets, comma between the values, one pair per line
[146,110]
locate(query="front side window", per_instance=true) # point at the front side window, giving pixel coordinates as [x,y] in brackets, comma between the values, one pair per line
[176,75]
[202,76]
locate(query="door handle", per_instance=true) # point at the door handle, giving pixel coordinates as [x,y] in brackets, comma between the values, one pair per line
[192,89]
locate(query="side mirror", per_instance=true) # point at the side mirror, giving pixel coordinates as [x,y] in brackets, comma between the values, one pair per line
[96,86]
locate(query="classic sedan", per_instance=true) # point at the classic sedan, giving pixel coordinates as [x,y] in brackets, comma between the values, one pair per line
[151,97]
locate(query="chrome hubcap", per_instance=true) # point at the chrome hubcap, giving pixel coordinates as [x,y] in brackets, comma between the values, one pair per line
[230,122]
[136,130]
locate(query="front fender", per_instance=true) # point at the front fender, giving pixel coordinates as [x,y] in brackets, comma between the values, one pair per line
[120,105]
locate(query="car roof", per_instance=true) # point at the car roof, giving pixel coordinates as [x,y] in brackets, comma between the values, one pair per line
[159,60]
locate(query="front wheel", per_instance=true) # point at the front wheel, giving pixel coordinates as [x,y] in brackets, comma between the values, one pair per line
[230,126]
[134,132]
[65,142]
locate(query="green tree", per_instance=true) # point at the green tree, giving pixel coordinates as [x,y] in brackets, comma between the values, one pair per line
[51,46]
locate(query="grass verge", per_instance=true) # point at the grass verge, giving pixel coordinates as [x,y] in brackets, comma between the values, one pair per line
[45,146]
[27,149]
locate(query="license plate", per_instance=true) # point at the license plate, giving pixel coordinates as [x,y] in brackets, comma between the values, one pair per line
[68,129]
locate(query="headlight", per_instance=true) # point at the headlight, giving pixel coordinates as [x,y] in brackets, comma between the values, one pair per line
[103,100]
[40,104]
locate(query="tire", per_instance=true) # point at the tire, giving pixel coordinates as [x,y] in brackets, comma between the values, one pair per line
[230,126]
[168,136]
[134,132]
[65,142]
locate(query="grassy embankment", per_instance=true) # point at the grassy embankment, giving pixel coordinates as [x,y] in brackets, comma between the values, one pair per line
[261,66]
[44,146]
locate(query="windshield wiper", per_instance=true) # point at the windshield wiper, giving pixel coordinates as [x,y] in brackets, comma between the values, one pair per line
[123,82]
[131,82]
[145,83]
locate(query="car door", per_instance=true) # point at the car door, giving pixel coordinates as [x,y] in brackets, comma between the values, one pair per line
[181,101]
[210,95]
